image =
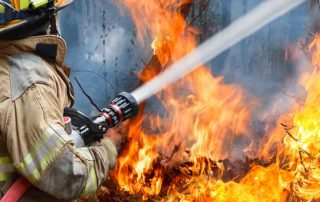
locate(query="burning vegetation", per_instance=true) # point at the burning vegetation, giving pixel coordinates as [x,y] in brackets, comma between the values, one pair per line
[182,154]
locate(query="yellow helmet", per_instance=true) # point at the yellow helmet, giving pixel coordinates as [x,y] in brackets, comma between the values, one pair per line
[18,13]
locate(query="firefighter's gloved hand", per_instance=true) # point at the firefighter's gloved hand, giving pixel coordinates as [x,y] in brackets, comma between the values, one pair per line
[118,138]
[110,149]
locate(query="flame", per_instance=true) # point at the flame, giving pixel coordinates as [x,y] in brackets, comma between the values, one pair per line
[203,116]
[303,150]
[202,120]
[256,186]
[298,145]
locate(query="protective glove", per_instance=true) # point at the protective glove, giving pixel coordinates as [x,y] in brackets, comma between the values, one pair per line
[110,150]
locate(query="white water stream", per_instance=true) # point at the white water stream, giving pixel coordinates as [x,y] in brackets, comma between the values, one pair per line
[225,39]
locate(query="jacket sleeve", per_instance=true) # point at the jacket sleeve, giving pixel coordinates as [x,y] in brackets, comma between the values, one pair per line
[44,153]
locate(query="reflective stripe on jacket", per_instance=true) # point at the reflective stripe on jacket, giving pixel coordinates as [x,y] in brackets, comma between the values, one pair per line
[6,168]
[34,91]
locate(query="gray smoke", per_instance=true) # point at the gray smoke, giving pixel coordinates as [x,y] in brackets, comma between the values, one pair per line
[105,55]
[238,30]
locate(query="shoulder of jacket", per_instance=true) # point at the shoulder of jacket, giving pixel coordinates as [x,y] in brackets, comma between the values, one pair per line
[25,70]
[50,46]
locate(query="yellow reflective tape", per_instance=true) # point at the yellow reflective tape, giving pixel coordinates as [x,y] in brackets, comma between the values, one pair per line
[95,179]
[4,176]
[92,182]
[32,4]
[27,160]
[5,160]
[2,9]
[38,3]
[23,4]
[34,176]
[85,153]
[23,168]
[6,168]
[47,159]
[41,156]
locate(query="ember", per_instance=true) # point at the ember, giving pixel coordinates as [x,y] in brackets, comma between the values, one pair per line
[179,155]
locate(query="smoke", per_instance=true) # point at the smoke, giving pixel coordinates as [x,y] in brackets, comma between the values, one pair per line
[315,15]
[105,54]
[250,63]
[233,34]
[266,63]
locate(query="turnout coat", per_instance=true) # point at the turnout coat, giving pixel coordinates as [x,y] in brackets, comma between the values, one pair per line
[34,90]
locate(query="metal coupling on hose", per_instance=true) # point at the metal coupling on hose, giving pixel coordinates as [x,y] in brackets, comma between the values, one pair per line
[123,107]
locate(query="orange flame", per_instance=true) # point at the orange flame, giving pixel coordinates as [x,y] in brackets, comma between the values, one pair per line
[304,151]
[203,115]
[203,118]
[298,147]
[256,186]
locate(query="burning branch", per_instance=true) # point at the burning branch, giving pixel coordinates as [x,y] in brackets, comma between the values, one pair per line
[290,135]
[212,117]
[301,159]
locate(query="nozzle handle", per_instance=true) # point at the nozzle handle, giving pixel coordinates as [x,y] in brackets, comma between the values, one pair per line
[123,107]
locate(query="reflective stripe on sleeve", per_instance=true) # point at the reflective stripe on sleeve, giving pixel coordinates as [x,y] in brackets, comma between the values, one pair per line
[5,160]
[43,153]
[23,4]
[92,181]
[38,3]
[6,168]
[2,9]
[4,176]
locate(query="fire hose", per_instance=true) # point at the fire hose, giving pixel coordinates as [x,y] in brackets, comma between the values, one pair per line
[123,107]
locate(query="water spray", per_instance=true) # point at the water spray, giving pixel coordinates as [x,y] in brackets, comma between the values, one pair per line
[125,105]
[225,39]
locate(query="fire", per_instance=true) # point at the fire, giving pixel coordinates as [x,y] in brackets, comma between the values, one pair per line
[304,149]
[256,186]
[202,120]
[297,135]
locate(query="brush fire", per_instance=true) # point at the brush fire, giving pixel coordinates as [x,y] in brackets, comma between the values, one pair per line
[184,152]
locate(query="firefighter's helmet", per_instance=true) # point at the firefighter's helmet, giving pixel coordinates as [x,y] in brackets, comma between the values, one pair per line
[18,13]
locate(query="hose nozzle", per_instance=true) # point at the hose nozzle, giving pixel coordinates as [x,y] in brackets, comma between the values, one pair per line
[123,107]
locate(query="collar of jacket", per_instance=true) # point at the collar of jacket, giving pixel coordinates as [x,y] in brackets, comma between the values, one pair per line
[53,45]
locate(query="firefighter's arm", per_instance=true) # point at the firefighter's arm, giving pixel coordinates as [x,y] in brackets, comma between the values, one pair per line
[44,153]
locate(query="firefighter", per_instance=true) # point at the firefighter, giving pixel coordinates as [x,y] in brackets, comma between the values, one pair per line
[34,90]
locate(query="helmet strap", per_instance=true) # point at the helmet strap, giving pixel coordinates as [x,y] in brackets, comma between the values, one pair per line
[52,12]
[54,26]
